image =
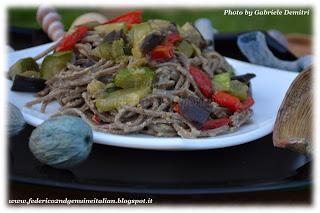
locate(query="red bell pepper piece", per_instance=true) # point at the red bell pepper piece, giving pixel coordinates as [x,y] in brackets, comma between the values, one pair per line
[176,107]
[96,119]
[202,80]
[172,38]
[69,41]
[231,102]
[246,104]
[215,123]
[165,51]
[162,52]
[226,100]
[134,17]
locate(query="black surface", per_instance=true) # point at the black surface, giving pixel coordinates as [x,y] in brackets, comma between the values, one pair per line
[253,167]
[21,38]
[226,45]
[249,167]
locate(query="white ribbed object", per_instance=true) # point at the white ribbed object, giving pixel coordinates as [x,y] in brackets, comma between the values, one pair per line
[50,21]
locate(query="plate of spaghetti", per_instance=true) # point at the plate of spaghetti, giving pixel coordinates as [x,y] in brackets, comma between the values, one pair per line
[150,85]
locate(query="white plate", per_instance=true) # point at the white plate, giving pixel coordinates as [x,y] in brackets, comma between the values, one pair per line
[269,88]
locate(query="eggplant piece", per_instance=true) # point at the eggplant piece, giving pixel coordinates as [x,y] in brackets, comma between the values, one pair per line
[27,84]
[115,35]
[195,110]
[192,34]
[151,41]
[163,26]
[244,78]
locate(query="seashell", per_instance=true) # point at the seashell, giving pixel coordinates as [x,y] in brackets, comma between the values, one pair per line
[50,18]
[50,21]
[293,126]
[89,17]
[43,10]
[61,141]
[55,30]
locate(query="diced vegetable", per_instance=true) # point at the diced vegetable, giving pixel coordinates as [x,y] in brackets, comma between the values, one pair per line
[103,50]
[165,51]
[194,110]
[221,82]
[96,88]
[134,77]
[231,102]
[151,41]
[96,119]
[53,64]
[70,40]
[91,25]
[185,48]
[215,123]
[238,89]
[172,38]
[108,28]
[202,80]
[196,50]
[226,100]
[244,78]
[115,35]
[191,33]
[134,17]
[162,52]
[158,24]
[31,74]
[137,35]
[27,84]
[120,98]
[111,51]
[111,87]
[24,64]
[163,26]
[117,49]
[176,107]
[246,104]
[138,62]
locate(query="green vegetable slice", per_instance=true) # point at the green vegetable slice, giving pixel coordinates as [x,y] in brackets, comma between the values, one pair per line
[24,64]
[221,82]
[120,98]
[96,88]
[190,33]
[134,77]
[31,74]
[136,35]
[53,64]
[185,48]
[158,24]
[114,51]
[108,28]
[103,51]
[239,89]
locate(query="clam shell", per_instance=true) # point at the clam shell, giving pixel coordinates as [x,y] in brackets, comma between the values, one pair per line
[293,126]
